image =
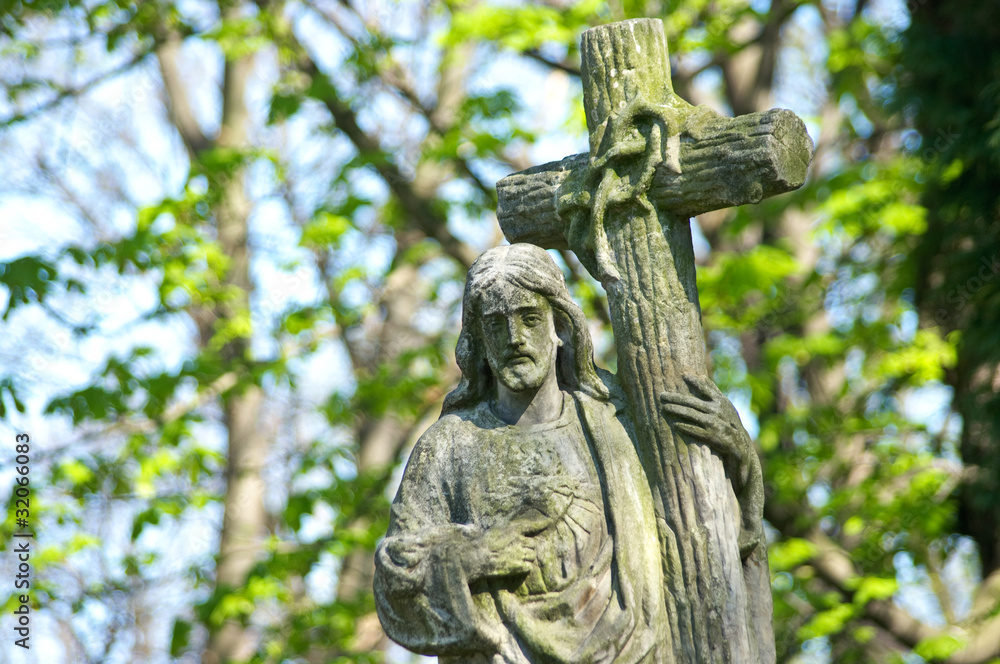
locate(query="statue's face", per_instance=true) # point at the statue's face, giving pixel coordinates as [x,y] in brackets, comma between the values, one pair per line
[520,336]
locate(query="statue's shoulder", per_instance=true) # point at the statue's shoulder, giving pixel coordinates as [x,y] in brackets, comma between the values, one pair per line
[443,444]
[454,428]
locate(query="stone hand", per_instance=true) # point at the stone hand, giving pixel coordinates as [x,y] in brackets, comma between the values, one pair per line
[707,415]
[507,550]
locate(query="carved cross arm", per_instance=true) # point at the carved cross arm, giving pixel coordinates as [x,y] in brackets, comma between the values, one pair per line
[733,161]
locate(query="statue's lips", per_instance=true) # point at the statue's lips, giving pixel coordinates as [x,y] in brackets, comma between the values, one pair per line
[520,359]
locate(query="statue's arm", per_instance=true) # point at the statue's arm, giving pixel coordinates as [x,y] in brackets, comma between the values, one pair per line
[421,580]
[708,416]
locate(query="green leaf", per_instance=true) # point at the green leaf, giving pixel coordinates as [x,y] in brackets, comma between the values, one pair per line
[149,516]
[27,279]
[179,637]
[521,27]
[940,647]
[790,553]
[827,622]
[872,587]
[283,106]
[325,230]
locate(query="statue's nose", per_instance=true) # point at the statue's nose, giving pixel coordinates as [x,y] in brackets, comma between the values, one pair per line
[516,334]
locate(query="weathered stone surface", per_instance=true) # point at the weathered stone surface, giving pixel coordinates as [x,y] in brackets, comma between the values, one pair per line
[524,530]
[654,161]
[535,521]
[735,161]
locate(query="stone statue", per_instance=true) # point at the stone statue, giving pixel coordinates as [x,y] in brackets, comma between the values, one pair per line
[523,530]
[554,514]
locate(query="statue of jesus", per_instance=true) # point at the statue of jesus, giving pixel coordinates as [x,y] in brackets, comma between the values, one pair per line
[524,530]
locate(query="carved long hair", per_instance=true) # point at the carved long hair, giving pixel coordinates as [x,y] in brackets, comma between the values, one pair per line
[529,267]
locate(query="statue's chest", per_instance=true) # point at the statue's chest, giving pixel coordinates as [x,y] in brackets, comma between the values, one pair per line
[535,472]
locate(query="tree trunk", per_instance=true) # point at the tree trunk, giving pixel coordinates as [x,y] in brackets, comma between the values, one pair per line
[244,524]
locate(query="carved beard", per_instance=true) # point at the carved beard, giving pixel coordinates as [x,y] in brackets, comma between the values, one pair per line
[524,370]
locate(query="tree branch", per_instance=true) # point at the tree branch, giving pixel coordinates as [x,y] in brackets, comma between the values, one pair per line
[220,385]
[561,65]
[178,104]
[429,221]
[834,565]
[420,206]
[450,92]
[75,91]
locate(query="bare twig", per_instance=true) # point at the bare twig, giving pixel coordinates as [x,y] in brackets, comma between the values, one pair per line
[74,91]
[561,65]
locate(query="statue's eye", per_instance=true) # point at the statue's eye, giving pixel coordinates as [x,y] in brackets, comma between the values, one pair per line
[531,320]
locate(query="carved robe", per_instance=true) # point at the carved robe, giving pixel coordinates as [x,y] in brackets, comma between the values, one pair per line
[594,594]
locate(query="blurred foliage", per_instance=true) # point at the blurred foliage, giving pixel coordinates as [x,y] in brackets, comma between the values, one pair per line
[844,315]
[951,90]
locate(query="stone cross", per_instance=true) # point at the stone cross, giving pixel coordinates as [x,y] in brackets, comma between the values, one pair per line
[624,209]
